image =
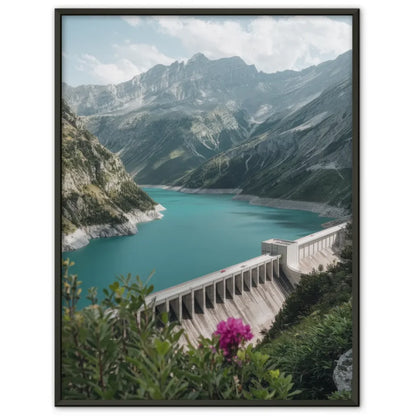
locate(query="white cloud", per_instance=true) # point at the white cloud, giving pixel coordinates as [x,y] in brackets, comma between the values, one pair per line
[271,44]
[142,55]
[107,73]
[130,60]
[132,20]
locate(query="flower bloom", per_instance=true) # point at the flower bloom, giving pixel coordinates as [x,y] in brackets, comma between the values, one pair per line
[232,332]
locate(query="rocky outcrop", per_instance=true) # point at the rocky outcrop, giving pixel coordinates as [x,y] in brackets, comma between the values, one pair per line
[99,198]
[343,372]
[82,236]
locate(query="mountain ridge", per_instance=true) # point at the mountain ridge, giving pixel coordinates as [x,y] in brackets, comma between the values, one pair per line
[100,99]
[169,121]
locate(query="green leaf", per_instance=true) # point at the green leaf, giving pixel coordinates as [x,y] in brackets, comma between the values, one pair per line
[162,347]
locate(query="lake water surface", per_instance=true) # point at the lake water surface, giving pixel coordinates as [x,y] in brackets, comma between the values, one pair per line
[198,234]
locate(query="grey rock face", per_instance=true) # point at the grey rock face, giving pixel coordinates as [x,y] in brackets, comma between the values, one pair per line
[301,155]
[159,147]
[203,84]
[343,372]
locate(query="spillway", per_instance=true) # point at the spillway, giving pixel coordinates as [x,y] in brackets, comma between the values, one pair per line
[257,308]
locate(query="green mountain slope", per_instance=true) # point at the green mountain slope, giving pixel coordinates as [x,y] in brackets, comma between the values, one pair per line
[157,147]
[98,195]
[302,155]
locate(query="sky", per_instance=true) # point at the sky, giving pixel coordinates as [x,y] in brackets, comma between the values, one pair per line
[113,49]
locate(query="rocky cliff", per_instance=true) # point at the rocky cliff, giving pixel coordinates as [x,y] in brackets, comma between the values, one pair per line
[99,198]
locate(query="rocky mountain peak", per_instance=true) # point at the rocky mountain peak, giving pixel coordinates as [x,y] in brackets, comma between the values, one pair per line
[204,83]
[197,58]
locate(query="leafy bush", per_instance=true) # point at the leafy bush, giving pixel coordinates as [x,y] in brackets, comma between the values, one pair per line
[308,350]
[317,292]
[117,350]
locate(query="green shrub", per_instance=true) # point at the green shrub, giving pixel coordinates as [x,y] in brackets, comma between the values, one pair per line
[111,351]
[308,350]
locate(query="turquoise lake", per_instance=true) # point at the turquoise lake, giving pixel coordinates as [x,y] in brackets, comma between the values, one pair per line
[198,234]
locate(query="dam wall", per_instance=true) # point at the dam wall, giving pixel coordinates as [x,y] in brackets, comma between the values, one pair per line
[302,255]
[258,308]
[254,290]
[199,295]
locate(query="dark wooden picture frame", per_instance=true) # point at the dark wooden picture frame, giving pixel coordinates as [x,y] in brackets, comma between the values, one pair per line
[354,13]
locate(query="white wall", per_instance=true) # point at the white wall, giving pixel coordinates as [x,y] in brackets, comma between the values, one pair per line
[388,158]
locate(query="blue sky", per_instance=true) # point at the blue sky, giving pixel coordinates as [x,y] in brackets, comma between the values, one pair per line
[113,49]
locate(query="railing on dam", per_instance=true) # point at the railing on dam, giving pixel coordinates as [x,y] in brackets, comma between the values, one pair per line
[293,251]
[195,296]
[311,244]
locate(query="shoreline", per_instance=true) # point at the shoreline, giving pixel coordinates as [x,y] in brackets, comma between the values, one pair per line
[324,210]
[214,191]
[82,236]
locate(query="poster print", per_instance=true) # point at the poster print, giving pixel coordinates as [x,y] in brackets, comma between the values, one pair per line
[207,210]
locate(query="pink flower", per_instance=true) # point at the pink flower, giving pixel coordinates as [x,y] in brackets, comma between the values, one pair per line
[232,332]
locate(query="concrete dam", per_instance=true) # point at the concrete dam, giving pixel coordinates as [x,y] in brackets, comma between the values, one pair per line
[254,290]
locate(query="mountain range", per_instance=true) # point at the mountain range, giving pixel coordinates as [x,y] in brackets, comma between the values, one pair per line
[223,124]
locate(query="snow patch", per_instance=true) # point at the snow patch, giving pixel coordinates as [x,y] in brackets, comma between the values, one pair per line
[263,111]
[330,165]
[310,123]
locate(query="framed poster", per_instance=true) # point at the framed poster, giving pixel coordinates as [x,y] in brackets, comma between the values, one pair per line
[207,223]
